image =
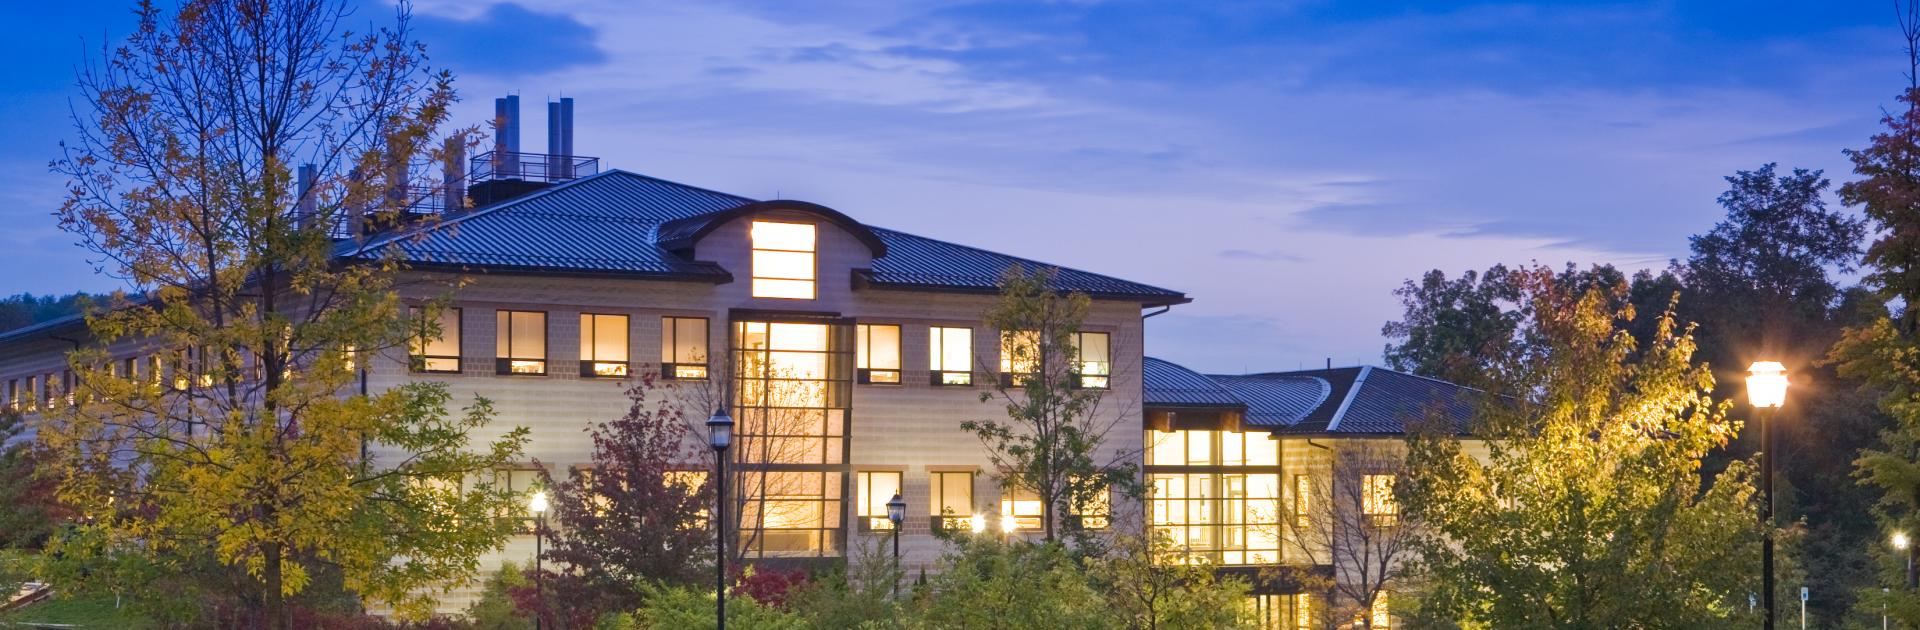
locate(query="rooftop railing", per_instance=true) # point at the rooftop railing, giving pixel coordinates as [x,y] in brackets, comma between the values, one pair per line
[535,167]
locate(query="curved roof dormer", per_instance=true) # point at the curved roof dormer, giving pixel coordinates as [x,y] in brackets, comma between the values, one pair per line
[680,235]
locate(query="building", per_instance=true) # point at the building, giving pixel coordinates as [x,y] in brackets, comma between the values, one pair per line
[857,349]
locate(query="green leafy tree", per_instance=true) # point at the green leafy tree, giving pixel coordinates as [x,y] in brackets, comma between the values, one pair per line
[985,583]
[1453,328]
[1151,584]
[1587,508]
[240,462]
[1050,442]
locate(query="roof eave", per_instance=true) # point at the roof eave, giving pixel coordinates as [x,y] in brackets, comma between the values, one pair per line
[863,280]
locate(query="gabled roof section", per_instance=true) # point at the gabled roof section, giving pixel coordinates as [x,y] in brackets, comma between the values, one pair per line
[1348,401]
[679,235]
[1169,384]
[621,223]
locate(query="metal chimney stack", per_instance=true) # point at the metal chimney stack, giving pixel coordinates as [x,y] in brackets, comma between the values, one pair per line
[454,173]
[506,136]
[560,139]
[306,202]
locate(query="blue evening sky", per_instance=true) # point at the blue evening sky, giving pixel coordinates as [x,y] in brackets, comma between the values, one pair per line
[1285,163]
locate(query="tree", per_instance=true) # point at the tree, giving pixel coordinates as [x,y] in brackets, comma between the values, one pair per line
[29,511]
[239,452]
[1151,584]
[1360,531]
[1453,329]
[26,309]
[632,518]
[1050,443]
[1587,508]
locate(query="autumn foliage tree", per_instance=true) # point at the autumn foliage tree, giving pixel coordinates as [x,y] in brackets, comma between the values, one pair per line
[635,517]
[234,453]
[1587,508]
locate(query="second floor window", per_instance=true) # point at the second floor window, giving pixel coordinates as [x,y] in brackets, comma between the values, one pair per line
[783,260]
[950,355]
[520,342]
[1377,502]
[1302,501]
[1019,356]
[876,489]
[878,356]
[1022,506]
[683,348]
[950,500]
[1092,360]
[436,346]
[603,345]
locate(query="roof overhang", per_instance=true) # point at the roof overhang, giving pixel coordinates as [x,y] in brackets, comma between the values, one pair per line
[680,234]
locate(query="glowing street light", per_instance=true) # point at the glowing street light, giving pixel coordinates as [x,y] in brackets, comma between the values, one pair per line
[979,523]
[1901,543]
[1766,389]
[1009,525]
[537,505]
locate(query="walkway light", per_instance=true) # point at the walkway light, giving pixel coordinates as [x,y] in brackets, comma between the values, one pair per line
[1767,384]
[979,523]
[1766,390]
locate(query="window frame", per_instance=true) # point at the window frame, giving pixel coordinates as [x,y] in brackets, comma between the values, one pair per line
[1081,378]
[877,522]
[1012,496]
[670,362]
[503,365]
[421,362]
[937,372]
[864,372]
[1378,504]
[1010,340]
[590,361]
[754,268]
[938,520]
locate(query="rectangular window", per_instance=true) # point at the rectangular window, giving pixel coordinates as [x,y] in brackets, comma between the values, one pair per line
[1302,501]
[1230,518]
[1092,360]
[783,260]
[876,489]
[878,356]
[603,345]
[683,348]
[1376,500]
[950,500]
[520,342]
[129,368]
[1019,356]
[950,355]
[13,394]
[28,398]
[1092,514]
[791,514]
[436,347]
[1303,612]
[1382,616]
[1022,506]
[523,482]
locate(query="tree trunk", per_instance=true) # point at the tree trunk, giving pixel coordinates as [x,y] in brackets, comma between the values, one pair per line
[275,603]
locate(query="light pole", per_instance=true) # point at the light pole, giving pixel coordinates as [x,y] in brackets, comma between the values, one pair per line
[720,436]
[1900,542]
[1766,389]
[897,514]
[537,504]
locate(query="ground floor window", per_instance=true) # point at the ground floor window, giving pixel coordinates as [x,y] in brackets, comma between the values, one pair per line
[1230,518]
[790,513]
[1282,612]
[875,489]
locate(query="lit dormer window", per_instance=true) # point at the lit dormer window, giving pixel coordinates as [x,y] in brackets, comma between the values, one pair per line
[783,260]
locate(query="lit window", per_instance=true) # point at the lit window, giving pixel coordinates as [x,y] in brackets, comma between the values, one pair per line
[1092,360]
[13,394]
[683,348]
[1023,506]
[1377,502]
[878,356]
[783,260]
[520,342]
[1019,356]
[1382,617]
[951,355]
[1302,500]
[603,345]
[950,500]
[1092,513]
[1302,612]
[28,400]
[876,489]
[436,347]
[128,368]
[522,482]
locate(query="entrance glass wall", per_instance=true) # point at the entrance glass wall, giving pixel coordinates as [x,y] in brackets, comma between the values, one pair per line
[791,384]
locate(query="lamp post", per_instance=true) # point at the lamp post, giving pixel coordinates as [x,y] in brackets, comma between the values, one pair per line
[720,436]
[1901,542]
[537,504]
[1766,389]
[897,514]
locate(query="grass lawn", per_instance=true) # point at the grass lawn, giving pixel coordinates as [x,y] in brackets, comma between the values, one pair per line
[82,612]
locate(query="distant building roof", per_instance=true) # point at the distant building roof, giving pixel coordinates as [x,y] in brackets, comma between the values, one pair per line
[621,223]
[1361,400]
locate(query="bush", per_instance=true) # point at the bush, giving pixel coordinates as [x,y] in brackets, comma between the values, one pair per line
[1019,585]
[683,608]
[497,609]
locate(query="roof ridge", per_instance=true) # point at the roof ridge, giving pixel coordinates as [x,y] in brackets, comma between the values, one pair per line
[1353,391]
[680,184]
[455,218]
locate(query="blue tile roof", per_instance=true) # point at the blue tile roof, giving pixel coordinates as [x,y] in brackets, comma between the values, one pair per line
[623,223]
[1345,401]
